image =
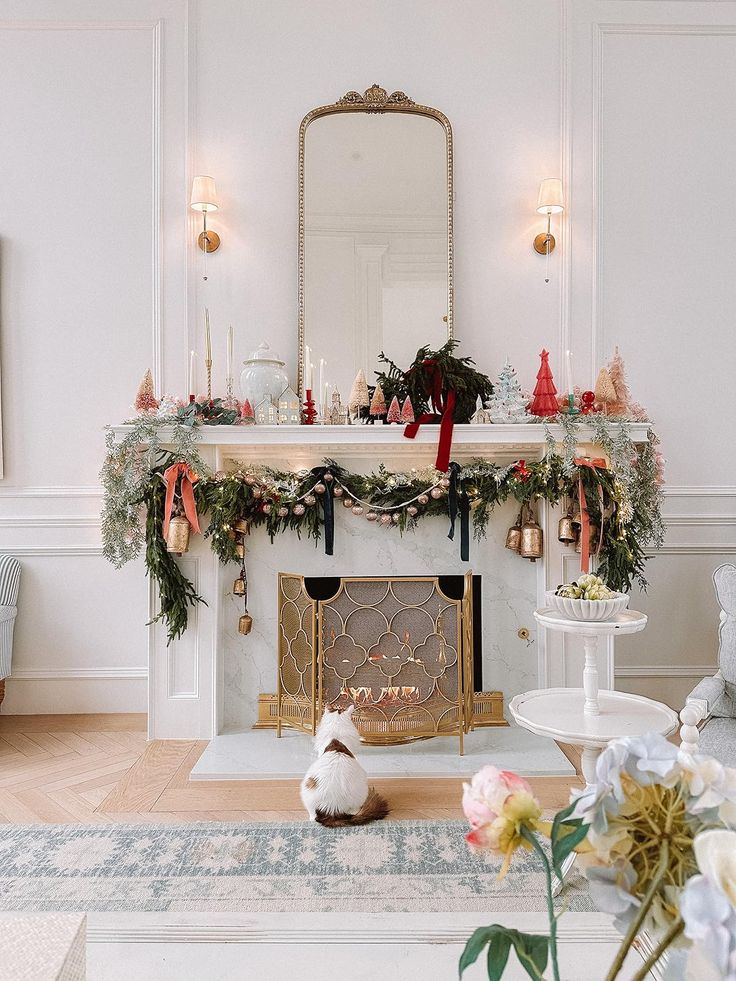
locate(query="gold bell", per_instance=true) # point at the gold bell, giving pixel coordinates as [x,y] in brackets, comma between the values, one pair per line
[577,519]
[513,536]
[242,526]
[177,540]
[566,529]
[531,541]
[240,550]
[239,587]
[245,624]
[593,540]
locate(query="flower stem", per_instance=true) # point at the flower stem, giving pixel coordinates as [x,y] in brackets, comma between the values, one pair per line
[641,914]
[672,934]
[532,839]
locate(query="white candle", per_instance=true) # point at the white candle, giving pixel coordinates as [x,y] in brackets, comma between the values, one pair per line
[568,371]
[207,341]
[307,355]
[311,377]
[192,371]
[322,366]
[229,369]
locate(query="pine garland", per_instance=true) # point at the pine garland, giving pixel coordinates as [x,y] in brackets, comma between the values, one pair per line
[626,497]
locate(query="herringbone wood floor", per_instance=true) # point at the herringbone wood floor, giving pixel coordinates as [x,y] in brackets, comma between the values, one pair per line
[99,769]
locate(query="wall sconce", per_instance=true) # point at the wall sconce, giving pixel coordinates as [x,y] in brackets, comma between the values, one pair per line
[549,203]
[204,199]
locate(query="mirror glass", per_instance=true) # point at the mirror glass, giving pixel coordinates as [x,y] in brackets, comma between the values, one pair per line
[376,242]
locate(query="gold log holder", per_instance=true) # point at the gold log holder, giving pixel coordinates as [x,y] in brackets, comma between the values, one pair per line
[397,648]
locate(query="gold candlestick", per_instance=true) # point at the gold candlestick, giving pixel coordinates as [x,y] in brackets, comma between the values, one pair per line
[208,366]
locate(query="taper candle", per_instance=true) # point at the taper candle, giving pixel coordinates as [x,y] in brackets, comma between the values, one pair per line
[307,356]
[192,373]
[207,339]
[568,371]
[322,366]
[229,368]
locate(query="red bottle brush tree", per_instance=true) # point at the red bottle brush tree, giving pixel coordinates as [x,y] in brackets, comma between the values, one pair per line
[145,400]
[407,411]
[544,402]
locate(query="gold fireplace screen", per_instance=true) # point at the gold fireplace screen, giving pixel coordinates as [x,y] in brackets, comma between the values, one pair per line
[398,649]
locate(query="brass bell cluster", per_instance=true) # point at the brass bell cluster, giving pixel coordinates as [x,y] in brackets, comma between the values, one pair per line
[525,536]
[570,526]
[240,587]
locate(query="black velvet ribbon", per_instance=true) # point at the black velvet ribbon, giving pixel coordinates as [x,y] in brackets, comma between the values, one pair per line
[459,503]
[328,506]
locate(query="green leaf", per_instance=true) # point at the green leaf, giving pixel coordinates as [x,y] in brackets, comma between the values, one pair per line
[479,938]
[566,833]
[498,954]
[531,949]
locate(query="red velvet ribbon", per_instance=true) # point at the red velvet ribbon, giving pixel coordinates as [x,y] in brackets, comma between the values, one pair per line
[597,463]
[441,407]
[188,479]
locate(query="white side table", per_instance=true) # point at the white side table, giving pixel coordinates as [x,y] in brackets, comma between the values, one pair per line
[586,717]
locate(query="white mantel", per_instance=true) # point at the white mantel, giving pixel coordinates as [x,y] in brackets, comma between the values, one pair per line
[212,676]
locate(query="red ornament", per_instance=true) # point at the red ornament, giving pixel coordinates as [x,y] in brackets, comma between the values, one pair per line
[588,402]
[521,472]
[544,402]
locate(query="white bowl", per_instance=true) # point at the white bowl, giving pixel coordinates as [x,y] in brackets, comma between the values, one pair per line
[581,609]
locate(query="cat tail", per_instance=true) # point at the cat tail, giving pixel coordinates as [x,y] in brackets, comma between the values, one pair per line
[374,808]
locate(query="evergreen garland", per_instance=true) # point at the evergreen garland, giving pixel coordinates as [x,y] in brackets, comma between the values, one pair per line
[626,496]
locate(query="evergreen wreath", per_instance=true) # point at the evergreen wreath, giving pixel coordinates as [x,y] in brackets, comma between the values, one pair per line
[429,367]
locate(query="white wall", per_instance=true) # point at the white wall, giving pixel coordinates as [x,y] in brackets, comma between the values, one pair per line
[109,108]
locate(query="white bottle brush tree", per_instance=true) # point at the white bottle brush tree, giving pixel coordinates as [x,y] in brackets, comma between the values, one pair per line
[508,403]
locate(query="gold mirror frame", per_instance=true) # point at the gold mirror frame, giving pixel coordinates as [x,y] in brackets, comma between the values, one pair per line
[374,100]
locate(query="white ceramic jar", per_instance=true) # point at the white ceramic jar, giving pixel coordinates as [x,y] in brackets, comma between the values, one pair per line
[263,376]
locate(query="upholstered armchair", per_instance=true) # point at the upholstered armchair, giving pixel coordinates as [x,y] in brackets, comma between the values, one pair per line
[714,699]
[9,584]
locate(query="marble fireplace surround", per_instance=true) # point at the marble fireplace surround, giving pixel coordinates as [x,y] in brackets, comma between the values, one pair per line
[208,682]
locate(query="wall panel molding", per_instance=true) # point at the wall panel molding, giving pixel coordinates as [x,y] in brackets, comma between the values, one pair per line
[108,674]
[665,670]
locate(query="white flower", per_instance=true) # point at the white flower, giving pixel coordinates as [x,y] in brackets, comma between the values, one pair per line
[651,759]
[708,906]
[715,853]
[610,890]
[712,787]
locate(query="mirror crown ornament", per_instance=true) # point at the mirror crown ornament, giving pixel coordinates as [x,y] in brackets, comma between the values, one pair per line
[375,97]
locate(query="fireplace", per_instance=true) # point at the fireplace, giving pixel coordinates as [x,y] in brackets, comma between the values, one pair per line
[400,649]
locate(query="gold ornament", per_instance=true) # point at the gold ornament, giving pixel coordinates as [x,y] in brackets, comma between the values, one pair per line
[444,482]
[240,550]
[423,499]
[532,545]
[371,516]
[385,519]
[319,488]
[239,587]
[436,493]
[299,510]
[177,539]
[411,510]
[577,519]
[310,499]
[245,624]
[338,491]
[347,502]
[395,518]
[283,512]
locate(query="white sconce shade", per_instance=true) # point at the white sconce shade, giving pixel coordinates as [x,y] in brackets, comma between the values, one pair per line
[550,197]
[204,194]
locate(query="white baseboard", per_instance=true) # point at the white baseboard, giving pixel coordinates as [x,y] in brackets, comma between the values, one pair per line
[75,694]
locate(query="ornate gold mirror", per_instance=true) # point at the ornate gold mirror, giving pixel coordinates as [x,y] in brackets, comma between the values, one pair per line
[375,235]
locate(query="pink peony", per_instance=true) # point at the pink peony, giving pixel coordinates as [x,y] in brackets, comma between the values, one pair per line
[485,795]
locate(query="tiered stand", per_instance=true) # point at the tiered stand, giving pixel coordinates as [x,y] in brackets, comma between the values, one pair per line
[587,717]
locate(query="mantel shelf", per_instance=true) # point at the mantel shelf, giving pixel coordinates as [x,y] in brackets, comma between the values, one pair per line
[466,438]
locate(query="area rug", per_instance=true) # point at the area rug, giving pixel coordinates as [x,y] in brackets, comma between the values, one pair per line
[406,866]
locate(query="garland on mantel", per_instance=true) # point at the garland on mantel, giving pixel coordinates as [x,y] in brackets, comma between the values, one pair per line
[623,499]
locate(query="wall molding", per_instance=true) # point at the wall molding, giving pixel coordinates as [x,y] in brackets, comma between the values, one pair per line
[693,490]
[60,490]
[50,521]
[54,550]
[692,548]
[85,674]
[665,670]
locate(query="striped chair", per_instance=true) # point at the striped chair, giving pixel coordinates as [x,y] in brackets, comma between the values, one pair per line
[9,583]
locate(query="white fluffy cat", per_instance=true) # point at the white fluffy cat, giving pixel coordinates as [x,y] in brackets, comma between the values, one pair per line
[335,789]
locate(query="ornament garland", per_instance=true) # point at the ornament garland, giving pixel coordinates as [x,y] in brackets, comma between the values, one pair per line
[623,500]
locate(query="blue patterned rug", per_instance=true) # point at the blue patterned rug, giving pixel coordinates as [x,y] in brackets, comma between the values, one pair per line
[402,866]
